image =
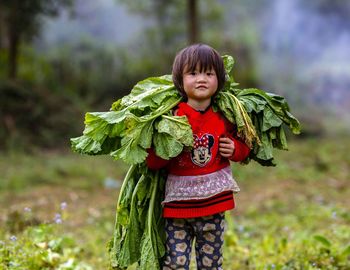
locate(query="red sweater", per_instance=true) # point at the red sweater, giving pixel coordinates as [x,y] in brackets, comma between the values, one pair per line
[204,158]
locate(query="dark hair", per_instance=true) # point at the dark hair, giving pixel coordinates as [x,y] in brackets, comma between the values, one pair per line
[201,54]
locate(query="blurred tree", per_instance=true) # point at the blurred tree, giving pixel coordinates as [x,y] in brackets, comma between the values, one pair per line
[2,40]
[174,24]
[192,22]
[21,20]
[189,14]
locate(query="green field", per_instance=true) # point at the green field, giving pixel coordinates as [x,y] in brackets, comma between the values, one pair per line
[57,210]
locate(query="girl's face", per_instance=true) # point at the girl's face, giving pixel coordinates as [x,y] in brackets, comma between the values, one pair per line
[200,86]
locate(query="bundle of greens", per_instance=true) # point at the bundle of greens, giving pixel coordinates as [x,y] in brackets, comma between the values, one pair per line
[139,229]
[144,119]
[135,122]
[258,115]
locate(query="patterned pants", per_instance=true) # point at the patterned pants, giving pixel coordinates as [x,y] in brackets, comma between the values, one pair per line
[208,233]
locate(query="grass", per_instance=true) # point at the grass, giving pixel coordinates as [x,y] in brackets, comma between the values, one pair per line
[292,216]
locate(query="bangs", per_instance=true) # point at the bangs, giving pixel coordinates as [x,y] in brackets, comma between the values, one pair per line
[203,58]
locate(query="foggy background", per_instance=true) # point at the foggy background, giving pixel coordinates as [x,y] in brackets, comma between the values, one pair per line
[299,49]
[92,52]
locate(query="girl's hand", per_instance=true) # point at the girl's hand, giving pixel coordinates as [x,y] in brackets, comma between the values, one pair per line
[226,147]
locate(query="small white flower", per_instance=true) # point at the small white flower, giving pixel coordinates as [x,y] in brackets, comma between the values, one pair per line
[13,238]
[63,205]
[27,209]
[58,219]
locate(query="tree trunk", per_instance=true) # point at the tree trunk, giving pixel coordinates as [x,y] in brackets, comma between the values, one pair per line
[13,34]
[2,23]
[192,22]
[13,54]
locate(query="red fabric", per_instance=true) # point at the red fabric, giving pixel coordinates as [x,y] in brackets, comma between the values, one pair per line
[199,208]
[154,162]
[205,158]
[241,150]
[209,123]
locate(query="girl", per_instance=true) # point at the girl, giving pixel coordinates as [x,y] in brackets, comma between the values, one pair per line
[199,187]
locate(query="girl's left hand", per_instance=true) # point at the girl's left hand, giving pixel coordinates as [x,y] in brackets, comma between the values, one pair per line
[226,147]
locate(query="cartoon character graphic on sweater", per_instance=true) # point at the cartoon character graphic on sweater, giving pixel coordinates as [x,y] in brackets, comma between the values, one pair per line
[201,153]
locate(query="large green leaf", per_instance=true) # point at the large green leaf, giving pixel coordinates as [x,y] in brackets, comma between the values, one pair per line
[178,127]
[166,146]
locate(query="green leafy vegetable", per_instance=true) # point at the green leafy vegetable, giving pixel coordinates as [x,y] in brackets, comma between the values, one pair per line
[134,122]
[138,235]
[259,117]
[144,119]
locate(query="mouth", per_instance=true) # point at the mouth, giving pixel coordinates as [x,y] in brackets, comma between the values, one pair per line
[201,87]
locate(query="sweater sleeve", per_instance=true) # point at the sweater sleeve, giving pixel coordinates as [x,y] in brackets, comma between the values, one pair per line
[241,150]
[154,162]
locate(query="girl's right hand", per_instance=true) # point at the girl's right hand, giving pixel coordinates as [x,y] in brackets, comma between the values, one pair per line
[226,147]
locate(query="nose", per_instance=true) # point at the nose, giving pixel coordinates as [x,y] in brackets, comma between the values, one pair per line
[201,77]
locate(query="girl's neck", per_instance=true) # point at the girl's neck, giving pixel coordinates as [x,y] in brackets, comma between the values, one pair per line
[199,105]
